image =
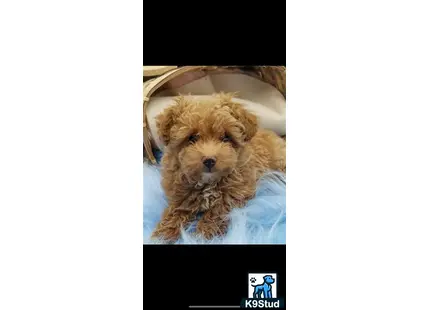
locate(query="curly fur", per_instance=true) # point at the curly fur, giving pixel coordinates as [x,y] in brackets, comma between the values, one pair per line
[261,221]
[221,130]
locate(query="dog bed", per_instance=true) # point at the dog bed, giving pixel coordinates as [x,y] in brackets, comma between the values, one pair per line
[261,221]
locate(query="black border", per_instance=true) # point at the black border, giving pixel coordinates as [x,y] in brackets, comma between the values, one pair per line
[214,33]
[179,276]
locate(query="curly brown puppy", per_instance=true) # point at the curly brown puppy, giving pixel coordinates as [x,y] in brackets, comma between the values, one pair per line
[215,153]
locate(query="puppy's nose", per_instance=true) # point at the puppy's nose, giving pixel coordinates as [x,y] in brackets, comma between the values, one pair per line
[209,162]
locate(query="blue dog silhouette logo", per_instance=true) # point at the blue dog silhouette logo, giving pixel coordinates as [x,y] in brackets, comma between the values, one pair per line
[262,285]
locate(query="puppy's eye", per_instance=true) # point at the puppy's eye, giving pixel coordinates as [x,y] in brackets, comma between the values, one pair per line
[226,138]
[193,138]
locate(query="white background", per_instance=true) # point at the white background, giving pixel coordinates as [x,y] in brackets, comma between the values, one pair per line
[358,165]
[358,155]
[71,155]
[259,280]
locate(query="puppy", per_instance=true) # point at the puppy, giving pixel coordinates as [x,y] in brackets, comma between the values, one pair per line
[215,153]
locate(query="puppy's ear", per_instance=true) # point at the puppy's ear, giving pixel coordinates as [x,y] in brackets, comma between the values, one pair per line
[248,119]
[167,119]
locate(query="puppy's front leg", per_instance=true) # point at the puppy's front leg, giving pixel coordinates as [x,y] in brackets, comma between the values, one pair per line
[214,222]
[169,228]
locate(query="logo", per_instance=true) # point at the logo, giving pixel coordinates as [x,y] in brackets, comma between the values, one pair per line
[262,291]
[262,285]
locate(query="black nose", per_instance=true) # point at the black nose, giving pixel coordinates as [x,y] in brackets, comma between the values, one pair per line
[209,162]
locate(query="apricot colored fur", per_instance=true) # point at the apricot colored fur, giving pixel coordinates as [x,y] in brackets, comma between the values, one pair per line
[240,162]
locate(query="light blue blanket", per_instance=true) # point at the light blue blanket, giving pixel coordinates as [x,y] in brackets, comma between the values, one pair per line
[261,221]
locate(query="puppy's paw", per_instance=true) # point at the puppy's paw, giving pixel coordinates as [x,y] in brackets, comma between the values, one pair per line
[167,234]
[210,230]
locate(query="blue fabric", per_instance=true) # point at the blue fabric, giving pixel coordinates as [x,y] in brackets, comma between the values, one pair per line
[261,221]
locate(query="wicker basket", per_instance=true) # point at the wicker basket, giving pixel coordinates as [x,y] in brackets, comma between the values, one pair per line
[155,77]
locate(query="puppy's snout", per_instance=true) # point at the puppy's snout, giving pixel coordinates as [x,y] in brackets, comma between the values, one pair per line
[209,162]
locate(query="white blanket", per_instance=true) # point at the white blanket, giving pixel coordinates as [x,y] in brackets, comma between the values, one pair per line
[258,97]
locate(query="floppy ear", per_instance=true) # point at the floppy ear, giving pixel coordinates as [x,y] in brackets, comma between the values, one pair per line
[248,119]
[167,119]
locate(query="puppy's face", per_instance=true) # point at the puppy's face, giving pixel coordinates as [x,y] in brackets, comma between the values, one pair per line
[206,137]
